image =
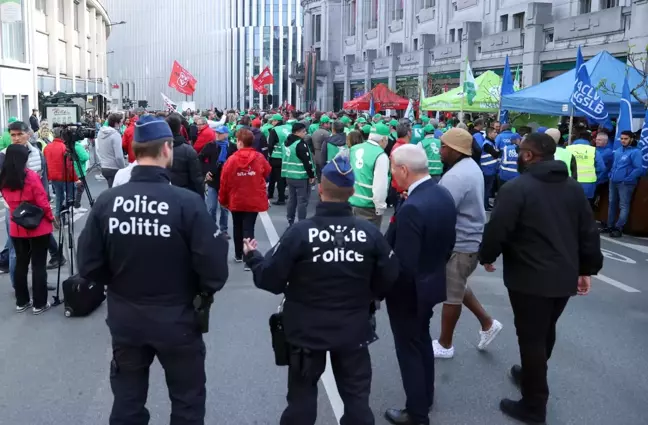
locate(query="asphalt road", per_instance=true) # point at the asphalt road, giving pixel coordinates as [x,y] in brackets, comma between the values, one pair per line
[54,370]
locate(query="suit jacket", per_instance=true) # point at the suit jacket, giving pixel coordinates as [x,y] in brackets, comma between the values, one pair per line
[422,235]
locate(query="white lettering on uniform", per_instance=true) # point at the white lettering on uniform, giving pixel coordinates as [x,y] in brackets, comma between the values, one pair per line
[140,226]
[335,254]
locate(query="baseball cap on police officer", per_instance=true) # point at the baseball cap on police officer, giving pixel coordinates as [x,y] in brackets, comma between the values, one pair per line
[153,138]
[337,180]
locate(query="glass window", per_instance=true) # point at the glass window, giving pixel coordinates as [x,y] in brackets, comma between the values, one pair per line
[350,14]
[609,4]
[76,16]
[504,23]
[13,31]
[61,11]
[41,6]
[585,6]
[518,20]
[426,4]
[317,28]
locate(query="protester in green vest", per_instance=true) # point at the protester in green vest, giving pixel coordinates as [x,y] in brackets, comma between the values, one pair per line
[298,169]
[371,168]
[392,131]
[316,123]
[377,118]
[589,163]
[265,129]
[417,133]
[366,130]
[425,120]
[432,147]
[334,144]
[6,138]
[277,136]
[563,154]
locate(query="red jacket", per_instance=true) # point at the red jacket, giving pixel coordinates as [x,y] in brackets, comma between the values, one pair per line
[34,193]
[127,140]
[398,144]
[243,182]
[54,156]
[205,136]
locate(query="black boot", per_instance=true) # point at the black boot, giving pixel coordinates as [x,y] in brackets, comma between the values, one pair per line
[517,410]
[56,261]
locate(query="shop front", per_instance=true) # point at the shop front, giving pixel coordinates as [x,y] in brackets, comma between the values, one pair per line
[408,87]
[357,88]
[442,82]
[376,81]
[338,96]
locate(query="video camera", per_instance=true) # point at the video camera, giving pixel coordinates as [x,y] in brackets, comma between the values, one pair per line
[72,133]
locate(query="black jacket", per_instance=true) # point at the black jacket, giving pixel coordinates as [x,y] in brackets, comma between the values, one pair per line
[185,171]
[193,133]
[152,268]
[260,143]
[545,230]
[332,284]
[209,162]
[273,139]
[302,153]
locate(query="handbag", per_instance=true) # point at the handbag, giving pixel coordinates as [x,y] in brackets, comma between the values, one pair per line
[280,345]
[27,215]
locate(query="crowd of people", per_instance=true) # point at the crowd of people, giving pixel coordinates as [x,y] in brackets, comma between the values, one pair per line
[174,179]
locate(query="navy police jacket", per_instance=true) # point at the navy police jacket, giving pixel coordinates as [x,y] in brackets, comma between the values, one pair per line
[330,268]
[155,248]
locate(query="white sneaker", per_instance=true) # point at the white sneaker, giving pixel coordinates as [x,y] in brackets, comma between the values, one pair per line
[440,352]
[81,210]
[486,337]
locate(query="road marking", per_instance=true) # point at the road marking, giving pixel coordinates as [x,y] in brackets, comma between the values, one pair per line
[641,248]
[616,283]
[328,380]
[617,257]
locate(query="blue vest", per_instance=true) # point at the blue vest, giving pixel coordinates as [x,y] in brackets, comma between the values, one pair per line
[488,163]
[508,166]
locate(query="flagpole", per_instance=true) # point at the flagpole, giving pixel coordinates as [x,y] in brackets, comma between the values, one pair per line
[571,125]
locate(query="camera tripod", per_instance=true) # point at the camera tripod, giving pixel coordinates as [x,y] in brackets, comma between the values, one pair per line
[67,215]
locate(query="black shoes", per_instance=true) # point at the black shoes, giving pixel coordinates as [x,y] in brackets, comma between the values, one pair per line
[517,410]
[400,417]
[279,203]
[616,233]
[56,262]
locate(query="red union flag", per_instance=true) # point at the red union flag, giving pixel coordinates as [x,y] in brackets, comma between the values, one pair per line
[265,77]
[258,87]
[182,80]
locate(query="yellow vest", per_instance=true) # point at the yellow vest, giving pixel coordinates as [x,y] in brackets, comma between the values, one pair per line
[585,162]
[565,156]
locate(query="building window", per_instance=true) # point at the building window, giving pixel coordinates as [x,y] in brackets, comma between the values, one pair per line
[459,34]
[76,16]
[416,46]
[518,20]
[427,4]
[350,13]
[317,28]
[452,35]
[41,6]
[371,13]
[13,31]
[585,6]
[609,4]
[388,50]
[61,11]
[504,23]
[549,37]
[397,9]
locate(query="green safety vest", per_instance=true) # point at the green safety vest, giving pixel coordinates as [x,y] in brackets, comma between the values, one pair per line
[363,161]
[332,150]
[283,131]
[417,135]
[432,148]
[265,129]
[565,156]
[585,162]
[313,128]
[291,166]
[347,130]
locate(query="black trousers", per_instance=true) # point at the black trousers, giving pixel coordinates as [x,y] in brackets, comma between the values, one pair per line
[276,180]
[352,371]
[109,175]
[184,369]
[34,251]
[415,357]
[535,323]
[244,223]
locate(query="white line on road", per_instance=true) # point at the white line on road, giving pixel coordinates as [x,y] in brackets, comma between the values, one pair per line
[616,283]
[328,380]
[636,247]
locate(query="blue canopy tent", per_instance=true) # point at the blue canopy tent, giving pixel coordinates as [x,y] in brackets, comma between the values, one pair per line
[552,96]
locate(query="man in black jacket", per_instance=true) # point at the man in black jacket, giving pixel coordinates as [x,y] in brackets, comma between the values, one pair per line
[544,228]
[153,246]
[185,170]
[337,265]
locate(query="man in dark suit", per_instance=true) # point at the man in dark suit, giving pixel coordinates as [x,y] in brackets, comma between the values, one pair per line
[422,235]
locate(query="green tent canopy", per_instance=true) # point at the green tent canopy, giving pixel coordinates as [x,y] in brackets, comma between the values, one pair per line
[486,99]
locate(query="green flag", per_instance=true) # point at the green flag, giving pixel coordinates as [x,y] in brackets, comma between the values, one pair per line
[469,87]
[516,80]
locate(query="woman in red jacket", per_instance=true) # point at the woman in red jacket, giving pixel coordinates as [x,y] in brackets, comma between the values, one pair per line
[243,188]
[19,184]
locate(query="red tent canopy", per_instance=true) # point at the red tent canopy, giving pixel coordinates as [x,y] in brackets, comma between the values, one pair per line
[383,99]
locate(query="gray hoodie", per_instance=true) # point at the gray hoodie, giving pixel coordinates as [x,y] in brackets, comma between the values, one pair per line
[109,149]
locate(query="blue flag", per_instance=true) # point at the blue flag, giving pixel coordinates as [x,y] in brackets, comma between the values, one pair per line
[507,88]
[624,122]
[643,144]
[585,98]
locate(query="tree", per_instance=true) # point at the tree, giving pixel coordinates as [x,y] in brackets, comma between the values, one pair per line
[639,62]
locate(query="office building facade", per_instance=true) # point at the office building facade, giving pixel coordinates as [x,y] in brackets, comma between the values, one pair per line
[222,43]
[50,46]
[424,43]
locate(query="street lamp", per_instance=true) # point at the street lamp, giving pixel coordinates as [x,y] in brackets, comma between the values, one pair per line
[116,23]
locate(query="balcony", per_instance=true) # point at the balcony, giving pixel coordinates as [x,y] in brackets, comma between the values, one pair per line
[447,51]
[590,24]
[506,40]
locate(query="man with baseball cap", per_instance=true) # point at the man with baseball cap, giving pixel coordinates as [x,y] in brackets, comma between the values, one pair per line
[465,182]
[276,140]
[153,246]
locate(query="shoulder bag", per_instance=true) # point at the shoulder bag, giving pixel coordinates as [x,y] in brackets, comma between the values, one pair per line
[27,215]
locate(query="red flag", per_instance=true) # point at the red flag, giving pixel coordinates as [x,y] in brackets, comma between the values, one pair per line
[182,80]
[258,87]
[265,77]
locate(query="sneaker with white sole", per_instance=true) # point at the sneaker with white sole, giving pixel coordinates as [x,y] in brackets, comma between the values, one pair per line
[23,308]
[486,337]
[41,310]
[440,352]
[80,210]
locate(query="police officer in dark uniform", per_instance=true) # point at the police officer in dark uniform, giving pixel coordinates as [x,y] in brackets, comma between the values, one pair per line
[154,247]
[330,268]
